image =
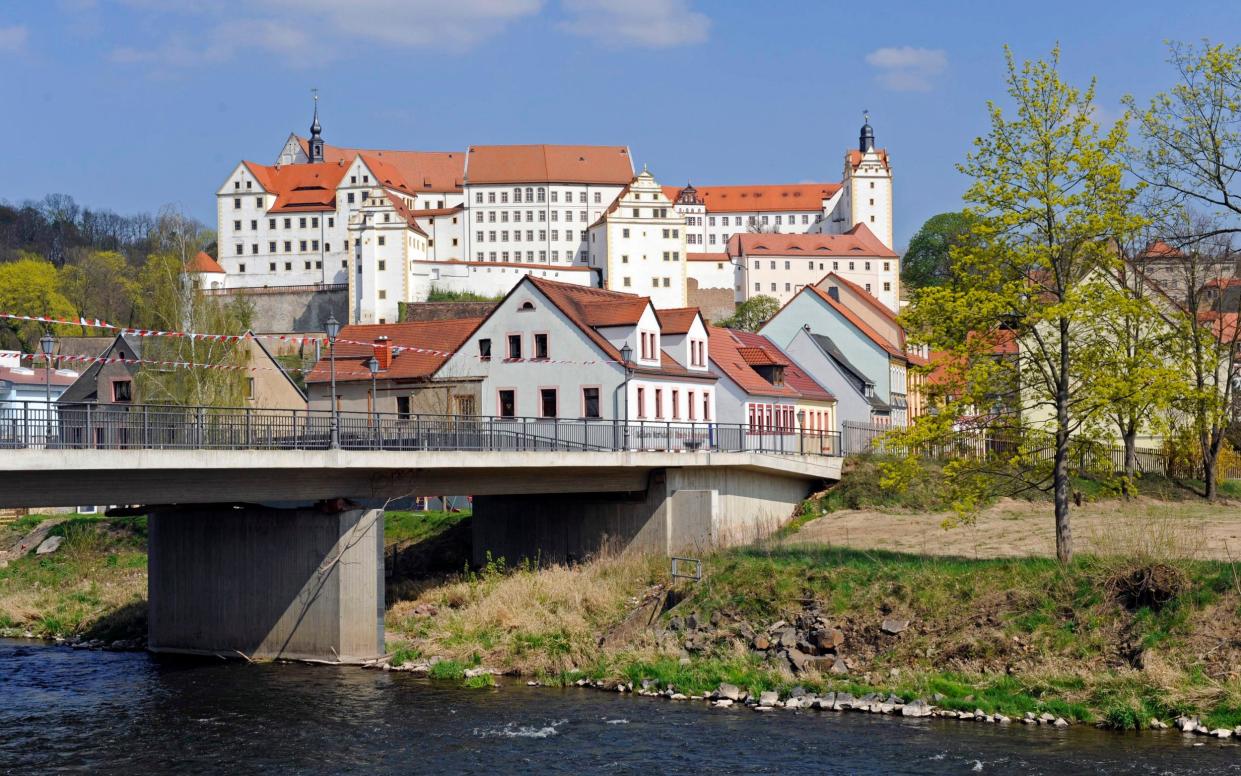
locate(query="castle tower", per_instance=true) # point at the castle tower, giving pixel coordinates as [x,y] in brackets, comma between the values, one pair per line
[316,135]
[868,186]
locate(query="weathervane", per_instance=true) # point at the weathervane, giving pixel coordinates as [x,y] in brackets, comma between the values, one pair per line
[865,116]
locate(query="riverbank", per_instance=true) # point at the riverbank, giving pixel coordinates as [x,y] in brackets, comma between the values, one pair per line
[1143,631]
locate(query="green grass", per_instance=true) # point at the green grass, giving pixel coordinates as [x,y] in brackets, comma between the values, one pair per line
[447,669]
[413,527]
[445,295]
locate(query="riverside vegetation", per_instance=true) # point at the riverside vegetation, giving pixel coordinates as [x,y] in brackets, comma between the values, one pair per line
[1144,633]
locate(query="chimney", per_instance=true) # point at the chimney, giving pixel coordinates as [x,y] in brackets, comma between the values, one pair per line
[383,352]
[833,292]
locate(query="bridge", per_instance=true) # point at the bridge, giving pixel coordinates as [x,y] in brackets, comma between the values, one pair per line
[266,529]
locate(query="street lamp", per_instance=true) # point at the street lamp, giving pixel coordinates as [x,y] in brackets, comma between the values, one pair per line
[46,343]
[625,353]
[372,365]
[332,328]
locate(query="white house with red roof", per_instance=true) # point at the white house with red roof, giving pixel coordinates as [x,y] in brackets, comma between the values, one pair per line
[555,350]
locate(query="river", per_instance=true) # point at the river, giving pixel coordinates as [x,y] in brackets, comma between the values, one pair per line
[76,710]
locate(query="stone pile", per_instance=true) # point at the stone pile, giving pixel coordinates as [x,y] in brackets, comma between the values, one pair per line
[1194,725]
[810,641]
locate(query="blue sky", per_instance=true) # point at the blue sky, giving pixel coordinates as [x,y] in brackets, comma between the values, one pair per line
[131,104]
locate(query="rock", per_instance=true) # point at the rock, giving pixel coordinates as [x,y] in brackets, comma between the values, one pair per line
[470,673]
[844,701]
[1222,733]
[691,622]
[797,692]
[768,698]
[723,703]
[799,660]
[1003,720]
[675,624]
[425,610]
[1235,731]
[893,626]
[787,637]
[828,639]
[937,698]
[677,696]
[49,545]
[648,684]
[1060,722]
[1155,724]
[764,708]
[761,643]
[839,666]
[715,619]
[729,692]
[777,625]
[916,708]
[1046,718]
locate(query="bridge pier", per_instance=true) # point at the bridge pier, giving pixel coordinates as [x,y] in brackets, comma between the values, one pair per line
[266,583]
[684,510]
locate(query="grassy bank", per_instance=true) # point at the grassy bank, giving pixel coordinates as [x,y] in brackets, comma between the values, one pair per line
[1088,642]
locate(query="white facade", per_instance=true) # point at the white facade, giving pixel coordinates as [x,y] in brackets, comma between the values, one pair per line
[385,243]
[639,244]
[493,279]
[535,224]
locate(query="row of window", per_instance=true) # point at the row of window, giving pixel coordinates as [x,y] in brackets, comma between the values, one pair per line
[788,264]
[668,256]
[540,347]
[530,194]
[569,236]
[674,234]
[288,266]
[516,256]
[772,417]
[549,402]
[788,287]
[691,404]
[302,247]
[516,216]
[302,223]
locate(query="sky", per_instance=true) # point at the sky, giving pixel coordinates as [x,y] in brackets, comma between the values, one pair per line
[133,104]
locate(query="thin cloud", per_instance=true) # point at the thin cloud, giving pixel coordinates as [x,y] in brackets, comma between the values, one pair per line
[646,23]
[328,29]
[908,69]
[13,39]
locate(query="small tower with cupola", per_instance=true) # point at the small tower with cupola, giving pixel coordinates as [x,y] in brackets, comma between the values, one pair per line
[316,135]
[868,186]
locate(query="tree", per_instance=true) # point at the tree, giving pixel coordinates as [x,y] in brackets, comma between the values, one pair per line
[751,314]
[928,260]
[1047,200]
[170,302]
[100,284]
[1189,152]
[29,286]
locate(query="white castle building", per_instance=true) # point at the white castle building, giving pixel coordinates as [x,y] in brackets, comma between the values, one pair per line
[392,226]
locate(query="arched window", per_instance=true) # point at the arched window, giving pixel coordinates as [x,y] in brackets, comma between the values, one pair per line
[529,194]
[542,194]
[526,306]
[517,194]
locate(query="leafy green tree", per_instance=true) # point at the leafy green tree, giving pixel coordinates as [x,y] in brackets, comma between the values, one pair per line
[1189,152]
[100,284]
[928,260]
[29,286]
[751,314]
[1047,199]
[170,302]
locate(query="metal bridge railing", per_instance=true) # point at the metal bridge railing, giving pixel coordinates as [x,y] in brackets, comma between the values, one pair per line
[32,425]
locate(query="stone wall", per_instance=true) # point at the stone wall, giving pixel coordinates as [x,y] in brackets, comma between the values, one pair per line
[291,308]
[715,303]
[445,311]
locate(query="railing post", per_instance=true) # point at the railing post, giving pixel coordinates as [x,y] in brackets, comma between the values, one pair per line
[25,424]
[146,428]
[198,428]
[90,432]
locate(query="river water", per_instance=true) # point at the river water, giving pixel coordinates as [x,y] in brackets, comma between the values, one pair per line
[75,710]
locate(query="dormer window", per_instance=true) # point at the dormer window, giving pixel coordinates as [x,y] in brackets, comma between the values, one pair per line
[526,307]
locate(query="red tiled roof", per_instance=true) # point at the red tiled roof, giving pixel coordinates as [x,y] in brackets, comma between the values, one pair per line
[444,337]
[589,307]
[1160,250]
[677,320]
[405,213]
[411,171]
[549,164]
[859,241]
[855,157]
[521,264]
[802,197]
[870,301]
[725,350]
[202,262]
[299,187]
[857,322]
[706,257]
[806,385]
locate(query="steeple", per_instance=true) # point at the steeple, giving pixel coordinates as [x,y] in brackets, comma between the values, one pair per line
[866,138]
[316,133]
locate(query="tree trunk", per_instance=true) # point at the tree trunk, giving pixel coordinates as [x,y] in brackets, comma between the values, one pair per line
[1210,462]
[1060,472]
[1131,452]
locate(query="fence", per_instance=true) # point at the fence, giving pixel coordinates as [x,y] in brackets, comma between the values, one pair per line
[25,425]
[867,438]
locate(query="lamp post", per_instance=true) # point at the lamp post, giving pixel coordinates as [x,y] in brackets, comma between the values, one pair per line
[46,344]
[801,430]
[626,352]
[372,365]
[332,328]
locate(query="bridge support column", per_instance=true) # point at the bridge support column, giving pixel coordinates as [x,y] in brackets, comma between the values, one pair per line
[266,583]
[683,510]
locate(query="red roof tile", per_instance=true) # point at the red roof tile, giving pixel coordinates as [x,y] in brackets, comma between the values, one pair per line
[859,241]
[405,213]
[442,337]
[37,375]
[678,320]
[870,301]
[299,187]
[725,347]
[855,157]
[706,257]
[411,171]
[202,262]
[852,317]
[549,164]
[802,197]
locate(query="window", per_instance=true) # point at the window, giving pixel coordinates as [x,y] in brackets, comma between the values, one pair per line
[540,346]
[659,403]
[508,403]
[123,390]
[250,388]
[301,245]
[676,404]
[271,247]
[478,197]
[484,349]
[301,223]
[381,240]
[514,346]
[237,203]
[402,408]
[641,402]
[887,286]
[383,265]
[464,405]
[236,226]
[271,266]
[241,267]
[547,402]
[598,199]
[689,405]
[590,402]
[383,293]
[351,196]
[240,249]
[331,222]
[706,405]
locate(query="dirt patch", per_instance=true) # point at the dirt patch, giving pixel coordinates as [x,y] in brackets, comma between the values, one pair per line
[1013,528]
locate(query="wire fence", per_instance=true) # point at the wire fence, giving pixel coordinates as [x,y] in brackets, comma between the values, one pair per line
[32,425]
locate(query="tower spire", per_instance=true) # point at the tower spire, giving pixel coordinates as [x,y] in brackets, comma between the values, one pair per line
[316,132]
[866,138]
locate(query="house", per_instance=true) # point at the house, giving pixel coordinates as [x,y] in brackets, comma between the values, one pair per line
[409,355]
[557,350]
[205,272]
[874,353]
[638,243]
[856,399]
[764,390]
[23,394]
